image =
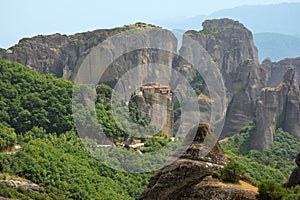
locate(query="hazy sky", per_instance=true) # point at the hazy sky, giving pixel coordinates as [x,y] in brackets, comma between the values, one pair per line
[31,17]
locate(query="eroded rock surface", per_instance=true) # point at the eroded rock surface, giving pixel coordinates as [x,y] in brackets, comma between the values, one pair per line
[185,178]
[277,107]
[294,179]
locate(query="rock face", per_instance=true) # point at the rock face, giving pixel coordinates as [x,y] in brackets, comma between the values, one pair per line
[229,43]
[248,81]
[57,54]
[290,119]
[294,179]
[61,55]
[212,189]
[231,47]
[154,101]
[183,179]
[276,70]
[277,106]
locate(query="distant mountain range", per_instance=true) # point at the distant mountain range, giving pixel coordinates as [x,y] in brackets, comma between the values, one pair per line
[276,24]
[277,46]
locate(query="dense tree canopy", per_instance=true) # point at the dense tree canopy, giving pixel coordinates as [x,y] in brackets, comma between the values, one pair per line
[36,112]
[274,163]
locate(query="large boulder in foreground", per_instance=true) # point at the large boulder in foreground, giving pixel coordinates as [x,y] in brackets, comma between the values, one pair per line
[294,179]
[189,176]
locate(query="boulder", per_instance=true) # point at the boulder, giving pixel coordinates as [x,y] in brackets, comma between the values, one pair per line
[294,179]
[187,177]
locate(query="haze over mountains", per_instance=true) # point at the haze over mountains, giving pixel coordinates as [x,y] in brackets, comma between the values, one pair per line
[271,24]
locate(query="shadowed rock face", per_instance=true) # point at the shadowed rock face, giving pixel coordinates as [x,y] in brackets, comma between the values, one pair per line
[183,178]
[250,78]
[57,54]
[276,70]
[277,106]
[294,179]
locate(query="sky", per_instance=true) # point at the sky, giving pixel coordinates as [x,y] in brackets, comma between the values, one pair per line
[32,17]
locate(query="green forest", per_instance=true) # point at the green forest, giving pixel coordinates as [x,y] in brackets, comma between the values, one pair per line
[36,113]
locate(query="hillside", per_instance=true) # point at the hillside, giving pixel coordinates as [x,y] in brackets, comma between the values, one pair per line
[36,114]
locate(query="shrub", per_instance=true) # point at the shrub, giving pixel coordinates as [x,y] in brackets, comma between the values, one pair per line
[8,136]
[216,174]
[269,189]
[232,172]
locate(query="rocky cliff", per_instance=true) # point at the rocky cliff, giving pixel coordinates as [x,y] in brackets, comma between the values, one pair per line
[57,54]
[231,47]
[155,105]
[250,78]
[188,177]
[277,107]
[276,70]
[62,55]
[294,179]
[229,43]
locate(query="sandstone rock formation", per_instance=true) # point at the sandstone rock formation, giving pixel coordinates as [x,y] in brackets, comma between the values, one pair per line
[229,43]
[61,55]
[277,106]
[294,179]
[250,78]
[187,177]
[154,102]
[231,46]
[276,70]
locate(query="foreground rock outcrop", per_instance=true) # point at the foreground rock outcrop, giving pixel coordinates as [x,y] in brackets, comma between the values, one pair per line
[188,177]
[294,179]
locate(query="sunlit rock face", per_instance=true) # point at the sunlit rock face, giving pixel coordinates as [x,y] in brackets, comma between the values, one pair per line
[189,176]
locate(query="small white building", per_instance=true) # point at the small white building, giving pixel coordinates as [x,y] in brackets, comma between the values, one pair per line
[137,145]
